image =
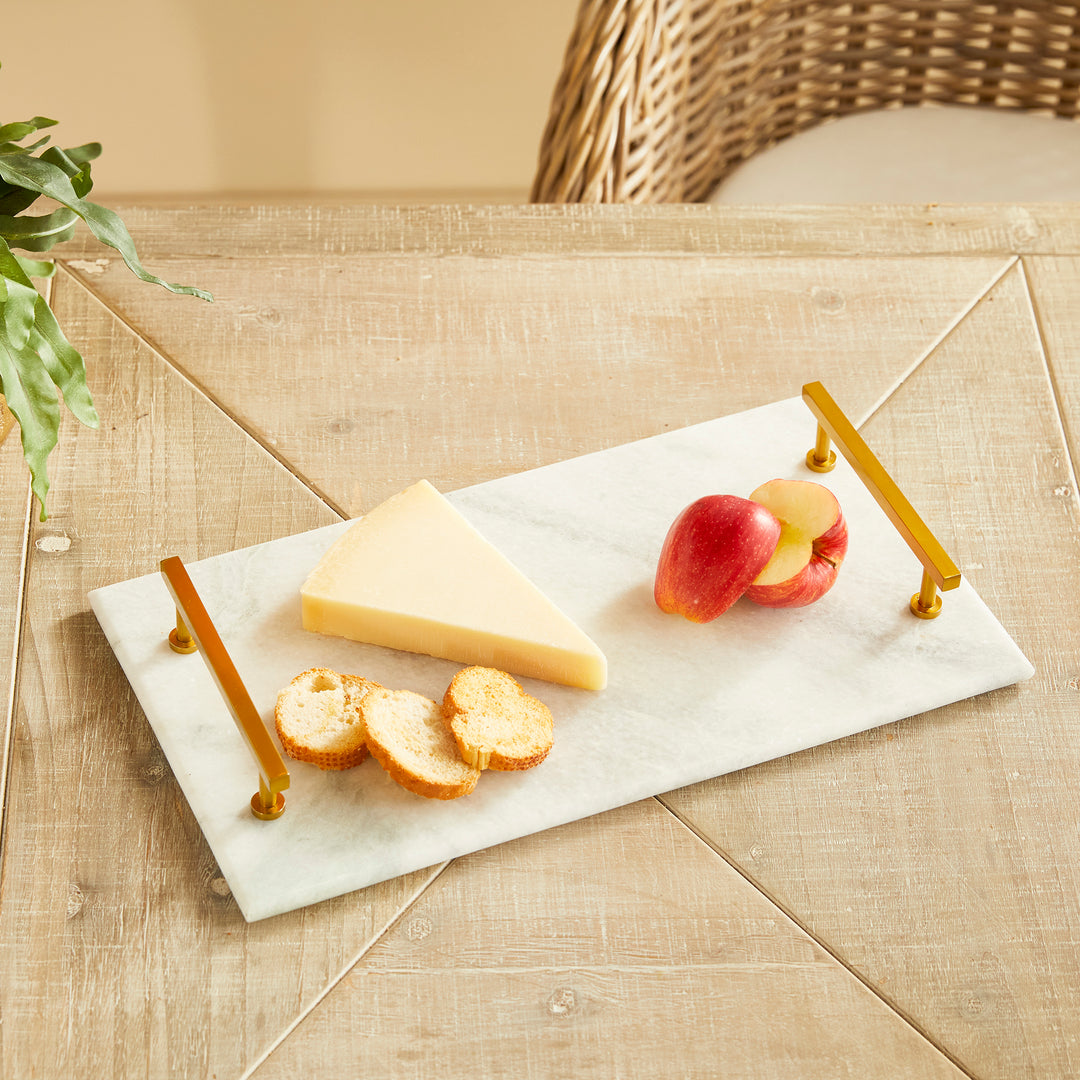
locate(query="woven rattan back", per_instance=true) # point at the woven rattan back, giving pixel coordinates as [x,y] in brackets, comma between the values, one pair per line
[659,99]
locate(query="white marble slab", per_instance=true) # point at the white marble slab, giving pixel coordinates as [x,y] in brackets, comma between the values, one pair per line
[684,702]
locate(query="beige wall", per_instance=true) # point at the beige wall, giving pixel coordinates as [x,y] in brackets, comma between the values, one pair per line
[293,95]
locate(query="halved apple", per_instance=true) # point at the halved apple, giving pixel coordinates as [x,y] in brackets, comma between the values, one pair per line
[713,551]
[812,545]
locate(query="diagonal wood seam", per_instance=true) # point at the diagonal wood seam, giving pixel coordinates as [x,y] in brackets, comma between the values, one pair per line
[1051,377]
[818,940]
[961,315]
[373,939]
[199,390]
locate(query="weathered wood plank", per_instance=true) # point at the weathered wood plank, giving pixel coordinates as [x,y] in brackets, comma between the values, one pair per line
[460,369]
[616,946]
[15,510]
[327,227]
[121,952]
[939,856]
[7,421]
[1057,308]
[14,529]
[935,856]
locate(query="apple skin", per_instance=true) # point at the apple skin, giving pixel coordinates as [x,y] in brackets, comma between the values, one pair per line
[714,549]
[812,545]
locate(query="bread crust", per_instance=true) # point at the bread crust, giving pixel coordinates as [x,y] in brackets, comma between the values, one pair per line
[298,744]
[486,721]
[388,717]
[496,724]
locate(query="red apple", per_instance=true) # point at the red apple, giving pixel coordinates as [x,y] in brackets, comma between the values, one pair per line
[812,545]
[713,551]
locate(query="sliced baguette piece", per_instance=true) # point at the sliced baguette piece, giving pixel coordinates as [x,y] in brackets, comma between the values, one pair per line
[495,723]
[318,718]
[408,737]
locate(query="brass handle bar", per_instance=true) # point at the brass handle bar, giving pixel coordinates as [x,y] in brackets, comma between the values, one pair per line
[195,629]
[939,571]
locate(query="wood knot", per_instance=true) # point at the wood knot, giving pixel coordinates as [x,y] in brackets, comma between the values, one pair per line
[153,772]
[89,266]
[562,1002]
[75,900]
[973,1006]
[53,544]
[828,300]
[418,928]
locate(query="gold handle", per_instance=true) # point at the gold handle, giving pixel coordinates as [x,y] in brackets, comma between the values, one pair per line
[939,571]
[194,629]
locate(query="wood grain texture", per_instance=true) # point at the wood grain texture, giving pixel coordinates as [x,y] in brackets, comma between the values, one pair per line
[465,368]
[121,952]
[7,421]
[14,529]
[328,227]
[16,506]
[938,856]
[364,346]
[1057,308]
[581,952]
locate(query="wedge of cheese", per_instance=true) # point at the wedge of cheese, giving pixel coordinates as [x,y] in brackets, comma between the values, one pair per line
[413,574]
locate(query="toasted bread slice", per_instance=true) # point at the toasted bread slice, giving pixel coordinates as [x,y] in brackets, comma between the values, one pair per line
[408,737]
[318,718]
[495,723]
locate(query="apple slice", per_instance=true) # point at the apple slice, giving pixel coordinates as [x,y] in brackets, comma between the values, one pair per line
[812,545]
[713,551]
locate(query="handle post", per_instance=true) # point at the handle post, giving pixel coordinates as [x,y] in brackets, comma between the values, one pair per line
[939,570]
[926,603]
[822,458]
[180,639]
[196,631]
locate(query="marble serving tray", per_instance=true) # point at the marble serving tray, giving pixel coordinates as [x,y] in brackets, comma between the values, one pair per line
[684,702]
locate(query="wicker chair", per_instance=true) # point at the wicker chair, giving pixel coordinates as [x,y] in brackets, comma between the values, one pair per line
[658,100]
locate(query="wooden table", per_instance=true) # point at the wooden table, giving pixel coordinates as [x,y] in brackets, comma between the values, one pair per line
[903,903]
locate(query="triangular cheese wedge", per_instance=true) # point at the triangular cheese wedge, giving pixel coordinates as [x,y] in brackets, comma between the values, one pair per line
[413,574]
